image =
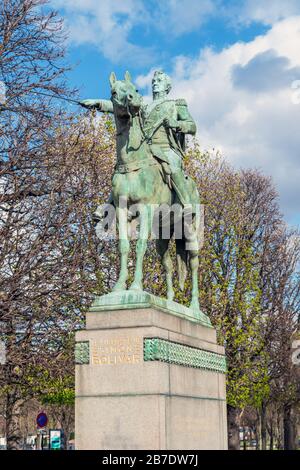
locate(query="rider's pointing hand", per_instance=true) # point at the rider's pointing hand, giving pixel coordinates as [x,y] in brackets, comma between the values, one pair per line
[87,103]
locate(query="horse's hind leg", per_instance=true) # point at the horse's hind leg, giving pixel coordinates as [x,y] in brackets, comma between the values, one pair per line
[122,221]
[145,223]
[192,247]
[162,247]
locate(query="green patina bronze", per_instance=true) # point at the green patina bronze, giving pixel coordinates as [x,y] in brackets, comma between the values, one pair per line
[135,299]
[157,349]
[82,352]
[149,173]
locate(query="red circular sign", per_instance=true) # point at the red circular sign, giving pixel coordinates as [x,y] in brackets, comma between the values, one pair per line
[41,420]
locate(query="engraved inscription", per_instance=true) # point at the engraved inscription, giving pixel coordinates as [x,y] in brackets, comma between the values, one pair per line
[126,350]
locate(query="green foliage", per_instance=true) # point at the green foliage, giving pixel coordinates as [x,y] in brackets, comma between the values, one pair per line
[230,276]
[59,396]
[51,389]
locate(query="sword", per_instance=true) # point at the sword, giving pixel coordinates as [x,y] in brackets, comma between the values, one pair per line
[57,97]
[3,101]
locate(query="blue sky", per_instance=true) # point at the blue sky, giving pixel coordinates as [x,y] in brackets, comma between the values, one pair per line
[235,62]
[157,44]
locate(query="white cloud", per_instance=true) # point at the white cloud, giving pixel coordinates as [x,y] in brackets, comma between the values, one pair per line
[176,17]
[253,126]
[107,25]
[267,11]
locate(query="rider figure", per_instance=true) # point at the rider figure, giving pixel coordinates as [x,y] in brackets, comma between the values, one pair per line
[166,122]
[167,140]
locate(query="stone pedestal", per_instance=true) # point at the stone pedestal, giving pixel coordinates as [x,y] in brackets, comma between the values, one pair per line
[148,379]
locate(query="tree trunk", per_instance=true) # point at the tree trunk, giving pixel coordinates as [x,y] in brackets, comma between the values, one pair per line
[289,435]
[14,440]
[279,427]
[65,417]
[13,403]
[257,431]
[233,428]
[65,430]
[263,426]
[244,442]
[271,434]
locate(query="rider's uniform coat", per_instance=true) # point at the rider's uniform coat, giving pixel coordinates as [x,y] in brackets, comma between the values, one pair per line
[168,144]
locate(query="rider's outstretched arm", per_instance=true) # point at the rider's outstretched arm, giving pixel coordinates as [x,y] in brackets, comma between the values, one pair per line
[105,106]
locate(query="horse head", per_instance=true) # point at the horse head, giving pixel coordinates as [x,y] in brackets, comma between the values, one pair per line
[125,97]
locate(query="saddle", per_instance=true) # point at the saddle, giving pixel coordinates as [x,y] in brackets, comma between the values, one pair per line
[133,166]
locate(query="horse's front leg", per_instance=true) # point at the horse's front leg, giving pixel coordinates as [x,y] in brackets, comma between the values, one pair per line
[194,264]
[146,218]
[122,222]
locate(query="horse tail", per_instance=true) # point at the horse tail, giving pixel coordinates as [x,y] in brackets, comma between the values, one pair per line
[182,261]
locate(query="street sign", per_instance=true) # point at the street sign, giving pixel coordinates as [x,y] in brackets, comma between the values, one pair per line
[41,420]
[55,438]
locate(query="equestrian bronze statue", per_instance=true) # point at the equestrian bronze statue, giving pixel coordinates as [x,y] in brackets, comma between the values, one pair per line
[149,180]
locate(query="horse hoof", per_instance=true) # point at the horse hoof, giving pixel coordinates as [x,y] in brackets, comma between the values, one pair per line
[170,296]
[136,286]
[194,305]
[119,286]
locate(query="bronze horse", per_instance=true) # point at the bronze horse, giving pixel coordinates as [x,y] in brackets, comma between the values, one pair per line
[138,186]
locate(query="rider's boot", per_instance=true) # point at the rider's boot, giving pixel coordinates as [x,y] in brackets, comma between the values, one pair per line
[180,185]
